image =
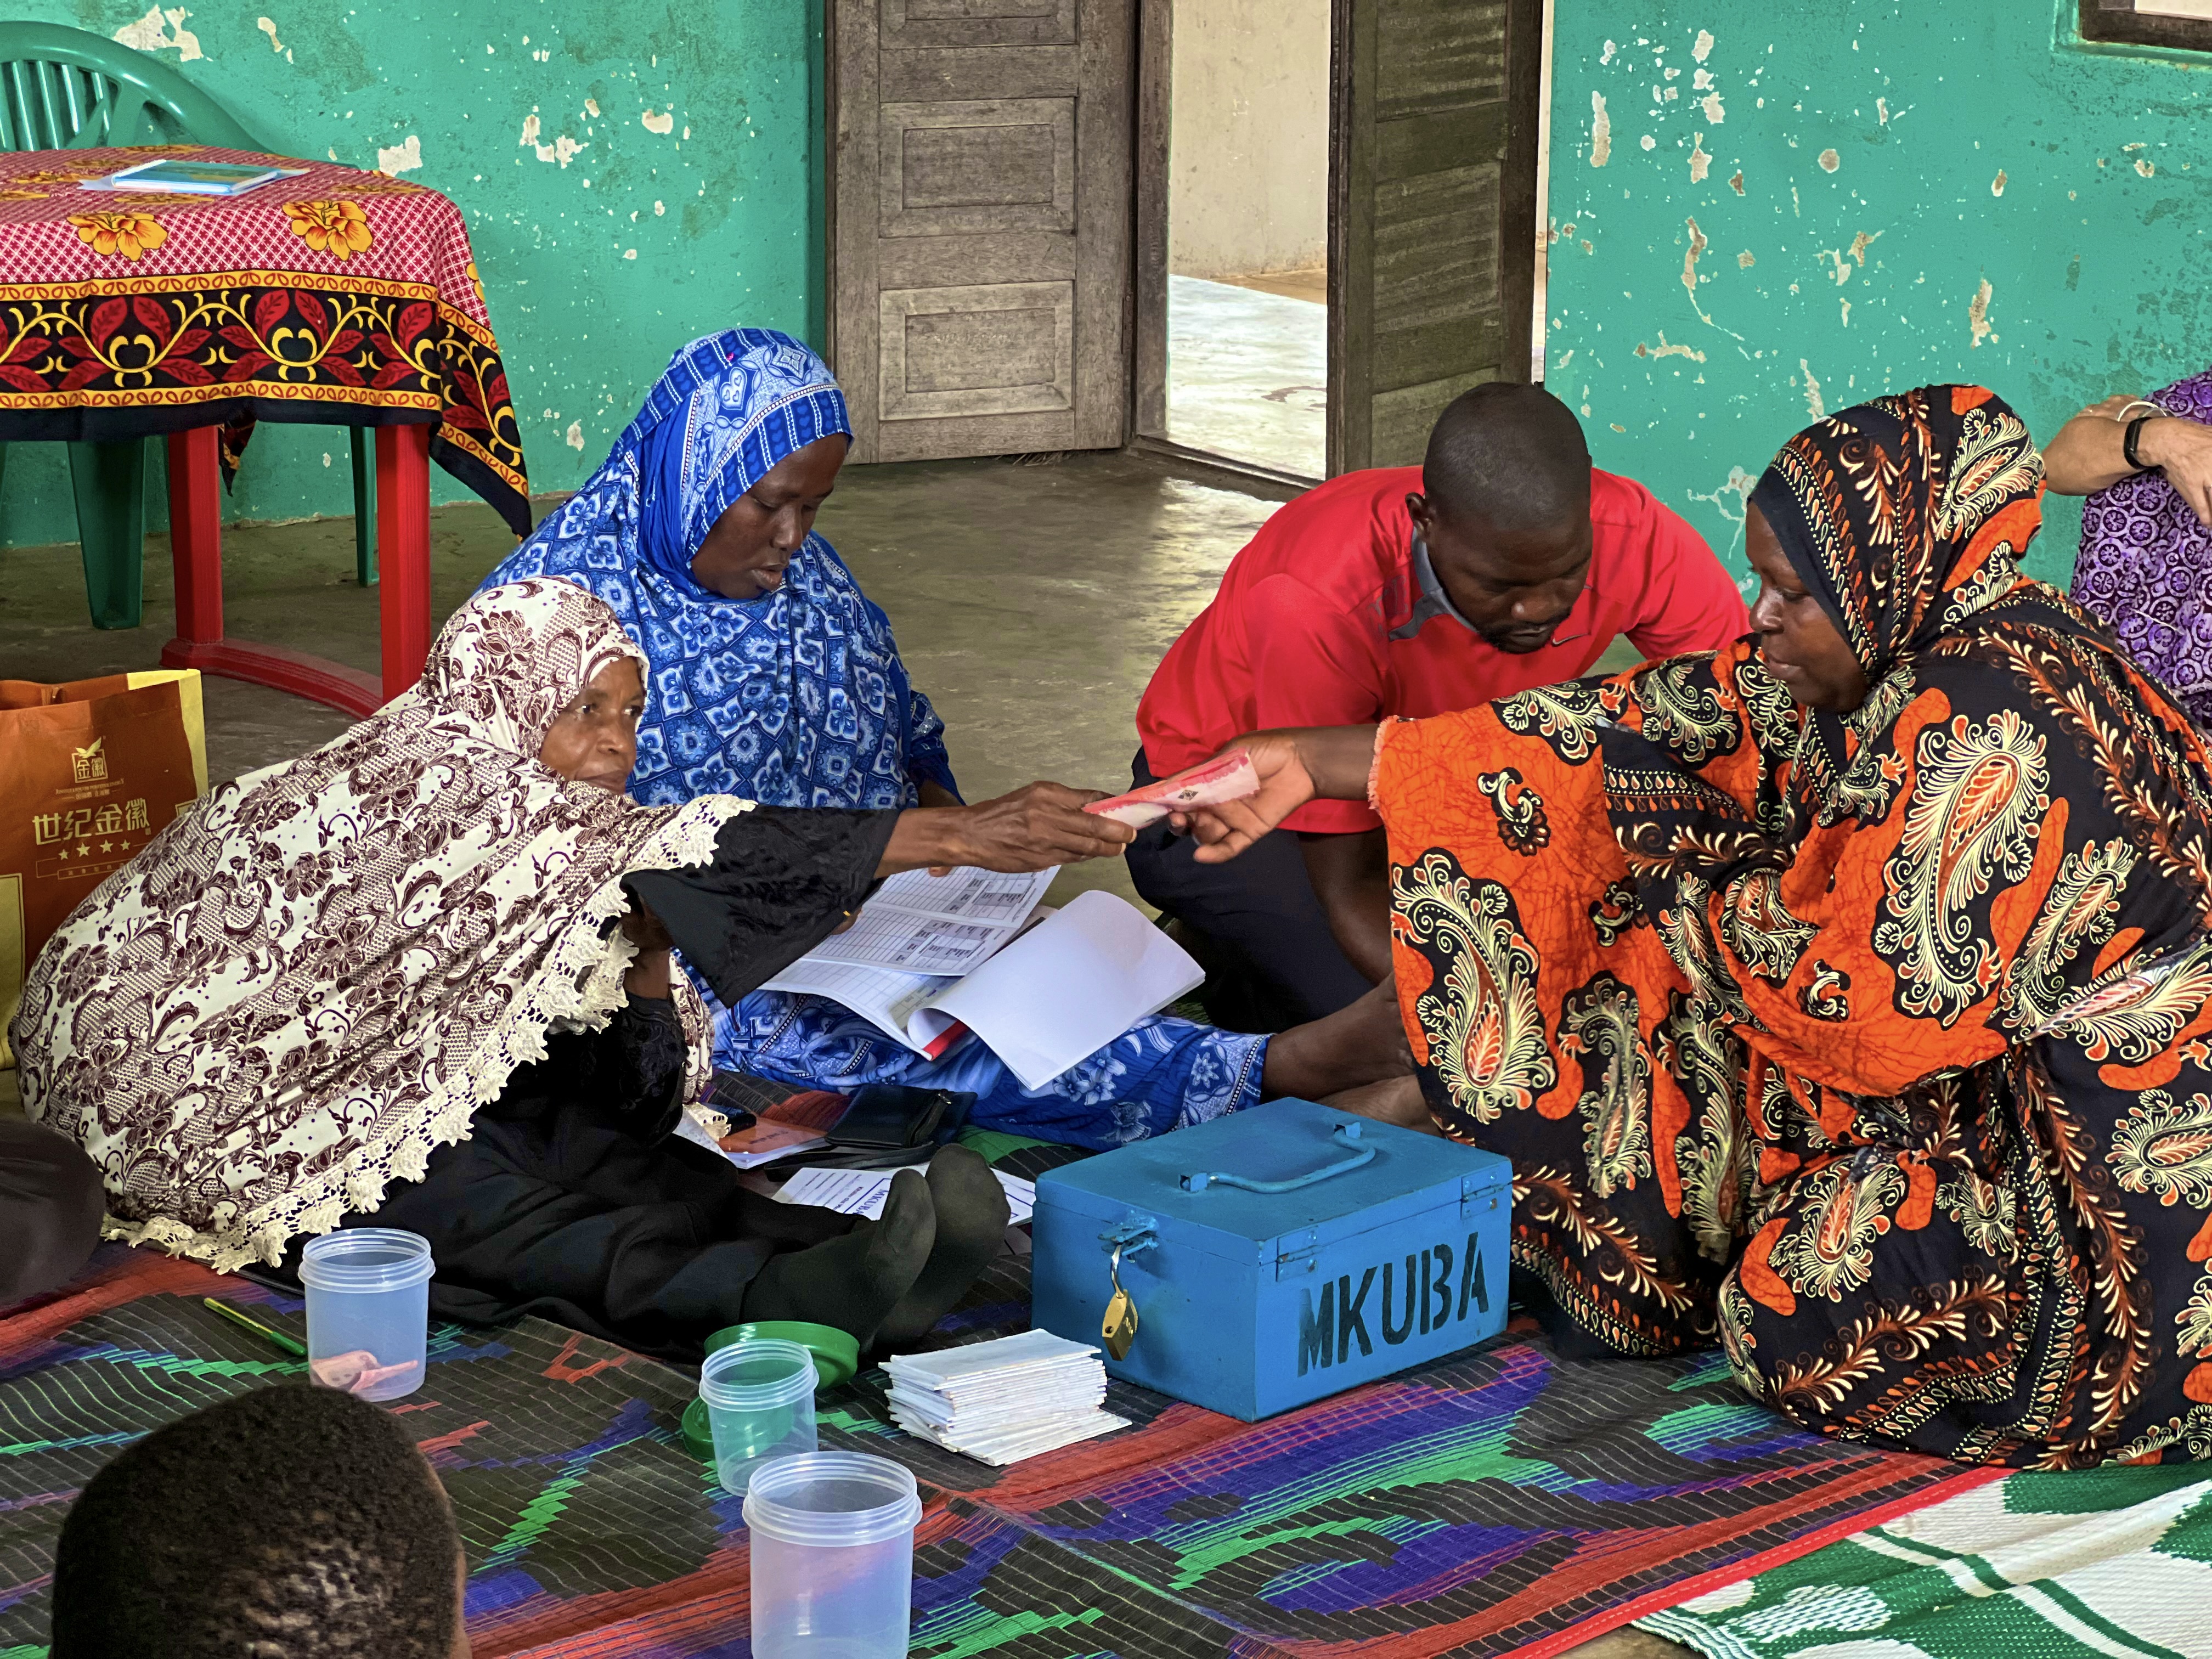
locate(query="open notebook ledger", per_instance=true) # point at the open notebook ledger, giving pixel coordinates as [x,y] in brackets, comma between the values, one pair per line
[1042,998]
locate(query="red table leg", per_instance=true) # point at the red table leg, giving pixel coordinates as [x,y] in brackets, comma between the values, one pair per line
[196,545]
[402,550]
[196,535]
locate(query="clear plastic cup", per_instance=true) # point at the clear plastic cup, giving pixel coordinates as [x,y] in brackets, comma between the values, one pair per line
[368,1310]
[760,1401]
[832,1556]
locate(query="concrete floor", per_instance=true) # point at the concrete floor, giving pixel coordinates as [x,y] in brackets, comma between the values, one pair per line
[1032,603]
[1248,371]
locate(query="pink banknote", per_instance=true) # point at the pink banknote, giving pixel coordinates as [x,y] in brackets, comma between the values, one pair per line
[1224,777]
[356,1372]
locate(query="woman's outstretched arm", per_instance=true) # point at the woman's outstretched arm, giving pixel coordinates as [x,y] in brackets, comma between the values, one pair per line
[1037,827]
[783,878]
[1295,764]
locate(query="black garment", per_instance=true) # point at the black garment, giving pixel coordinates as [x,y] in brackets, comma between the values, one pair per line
[574,1197]
[781,881]
[51,1206]
[574,1200]
[1270,959]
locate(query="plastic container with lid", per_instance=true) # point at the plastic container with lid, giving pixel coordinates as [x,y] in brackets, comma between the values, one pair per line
[760,1404]
[368,1310]
[837,1357]
[832,1556]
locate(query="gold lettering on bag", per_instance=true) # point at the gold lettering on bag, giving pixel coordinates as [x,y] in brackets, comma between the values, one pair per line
[110,823]
[89,763]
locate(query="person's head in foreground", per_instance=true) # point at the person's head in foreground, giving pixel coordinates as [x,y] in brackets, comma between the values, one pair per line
[1504,511]
[287,1524]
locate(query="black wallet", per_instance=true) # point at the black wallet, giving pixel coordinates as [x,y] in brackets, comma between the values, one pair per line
[886,1118]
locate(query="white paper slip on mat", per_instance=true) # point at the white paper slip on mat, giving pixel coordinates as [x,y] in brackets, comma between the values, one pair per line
[1012,1448]
[864,1192]
[989,1363]
[1005,1400]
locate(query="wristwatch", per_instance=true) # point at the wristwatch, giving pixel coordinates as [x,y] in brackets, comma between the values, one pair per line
[2128,443]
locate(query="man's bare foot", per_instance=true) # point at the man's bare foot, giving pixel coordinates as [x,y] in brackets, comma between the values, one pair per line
[1395,1100]
[1362,1043]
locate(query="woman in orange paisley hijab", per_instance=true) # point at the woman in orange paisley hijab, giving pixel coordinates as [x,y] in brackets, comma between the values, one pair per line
[1841,996]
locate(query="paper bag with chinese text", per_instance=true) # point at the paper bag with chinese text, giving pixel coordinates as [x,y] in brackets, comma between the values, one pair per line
[89,771]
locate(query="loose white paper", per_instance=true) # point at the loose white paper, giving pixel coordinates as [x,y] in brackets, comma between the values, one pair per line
[1047,1434]
[864,1192]
[1053,996]
[895,1003]
[1023,1354]
[1070,985]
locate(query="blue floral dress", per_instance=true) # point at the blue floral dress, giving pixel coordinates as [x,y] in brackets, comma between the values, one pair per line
[799,698]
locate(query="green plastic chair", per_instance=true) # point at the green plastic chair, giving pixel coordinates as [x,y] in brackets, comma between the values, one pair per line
[64,89]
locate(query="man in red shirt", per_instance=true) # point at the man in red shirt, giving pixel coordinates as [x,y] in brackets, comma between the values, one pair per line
[1506,561]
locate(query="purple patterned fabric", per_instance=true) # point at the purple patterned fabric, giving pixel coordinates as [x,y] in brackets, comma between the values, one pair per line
[2145,568]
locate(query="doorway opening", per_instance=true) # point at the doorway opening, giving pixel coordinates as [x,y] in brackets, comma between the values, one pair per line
[1248,234]
[1407,131]
[1330,205]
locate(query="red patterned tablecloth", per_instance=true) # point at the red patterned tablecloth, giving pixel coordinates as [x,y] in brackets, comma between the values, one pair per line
[340,296]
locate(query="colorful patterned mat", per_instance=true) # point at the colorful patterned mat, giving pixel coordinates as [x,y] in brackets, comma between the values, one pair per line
[2093,1564]
[1505,1502]
[576,1499]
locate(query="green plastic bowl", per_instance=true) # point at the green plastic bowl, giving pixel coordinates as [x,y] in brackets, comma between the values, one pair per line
[836,1358]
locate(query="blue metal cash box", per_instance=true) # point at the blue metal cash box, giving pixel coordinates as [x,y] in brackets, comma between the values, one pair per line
[1277,1256]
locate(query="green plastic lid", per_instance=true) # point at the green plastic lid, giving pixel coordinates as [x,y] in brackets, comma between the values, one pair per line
[836,1358]
[836,1353]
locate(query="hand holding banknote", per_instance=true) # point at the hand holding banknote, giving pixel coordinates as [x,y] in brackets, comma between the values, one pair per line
[1228,776]
[1033,828]
[1226,808]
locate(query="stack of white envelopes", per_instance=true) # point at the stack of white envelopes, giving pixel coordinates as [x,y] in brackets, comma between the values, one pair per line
[1003,1400]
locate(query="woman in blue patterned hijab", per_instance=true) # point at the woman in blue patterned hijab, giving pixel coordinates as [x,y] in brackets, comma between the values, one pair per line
[773,677]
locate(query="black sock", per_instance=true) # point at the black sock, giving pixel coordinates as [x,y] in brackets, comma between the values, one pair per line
[853,1282]
[971,1226]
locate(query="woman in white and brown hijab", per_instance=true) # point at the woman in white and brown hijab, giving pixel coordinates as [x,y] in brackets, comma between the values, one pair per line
[420,978]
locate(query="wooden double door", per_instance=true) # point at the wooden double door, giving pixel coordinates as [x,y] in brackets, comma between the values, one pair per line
[998,219]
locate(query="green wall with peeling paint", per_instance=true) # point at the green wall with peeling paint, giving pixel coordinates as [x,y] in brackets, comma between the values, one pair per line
[723,212]
[1871,166]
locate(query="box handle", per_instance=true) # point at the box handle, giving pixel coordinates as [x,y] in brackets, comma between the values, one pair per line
[1347,1134]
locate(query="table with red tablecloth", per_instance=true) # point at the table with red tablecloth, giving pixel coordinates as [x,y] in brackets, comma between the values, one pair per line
[336,297]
